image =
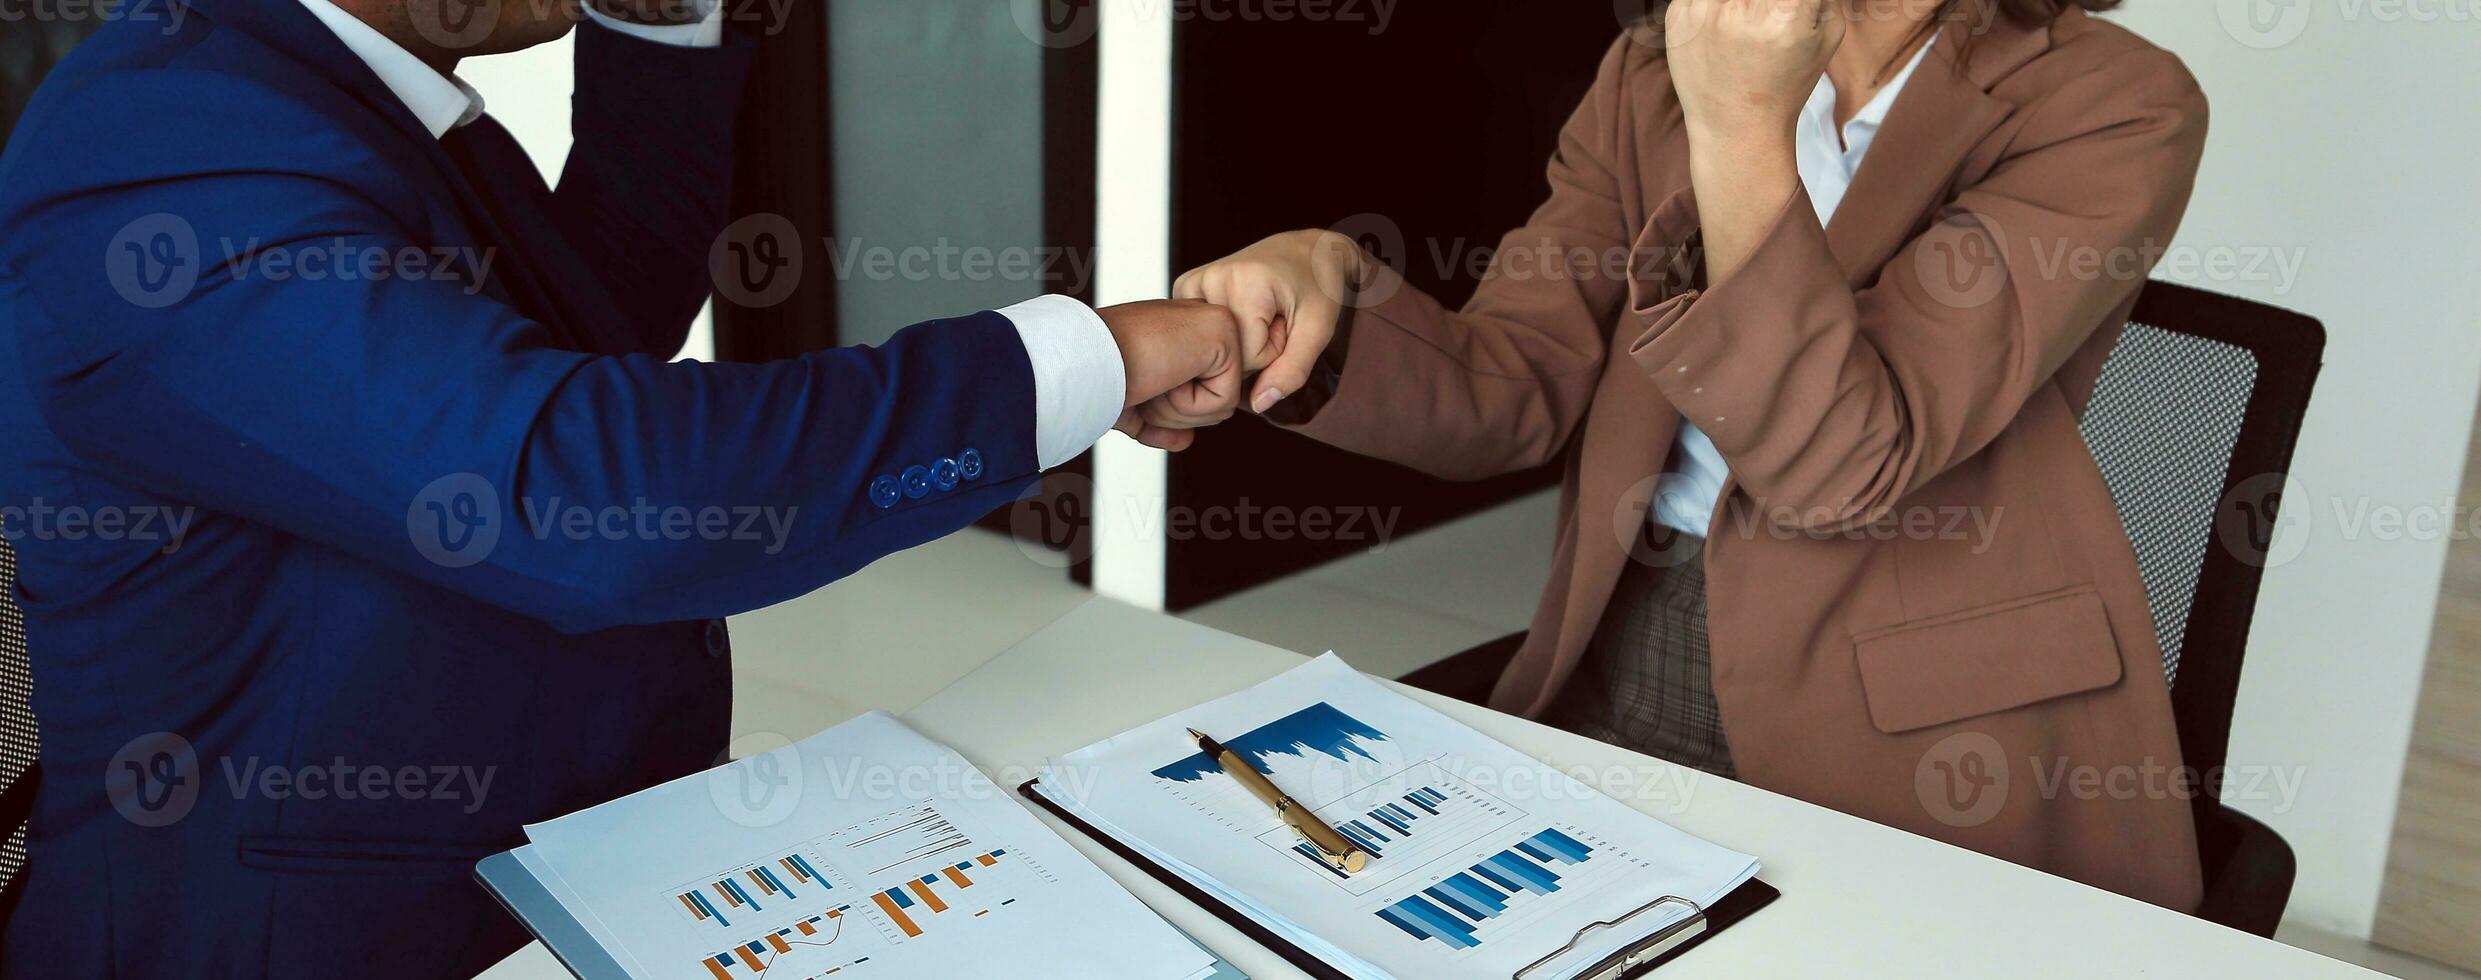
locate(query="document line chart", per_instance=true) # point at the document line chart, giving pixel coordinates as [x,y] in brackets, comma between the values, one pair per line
[758,956]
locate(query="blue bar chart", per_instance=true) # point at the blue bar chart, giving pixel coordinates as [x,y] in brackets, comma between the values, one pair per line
[750,890]
[1404,821]
[1455,910]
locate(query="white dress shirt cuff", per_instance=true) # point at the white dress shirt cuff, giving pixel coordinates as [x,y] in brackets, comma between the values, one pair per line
[1080,384]
[706,32]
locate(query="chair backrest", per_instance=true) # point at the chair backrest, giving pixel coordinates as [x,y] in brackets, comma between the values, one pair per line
[2192,424]
[18,740]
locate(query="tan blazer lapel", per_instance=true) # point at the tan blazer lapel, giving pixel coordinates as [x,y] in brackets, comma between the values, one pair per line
[1940,117]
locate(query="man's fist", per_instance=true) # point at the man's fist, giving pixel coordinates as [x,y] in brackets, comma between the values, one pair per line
[1184,365]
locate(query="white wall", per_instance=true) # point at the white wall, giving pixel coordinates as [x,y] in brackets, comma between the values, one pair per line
[2345,134]
[528,92]
[937,109]
[1132,245]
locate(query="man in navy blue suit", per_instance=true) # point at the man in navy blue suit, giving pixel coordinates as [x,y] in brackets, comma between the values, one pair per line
[363,515]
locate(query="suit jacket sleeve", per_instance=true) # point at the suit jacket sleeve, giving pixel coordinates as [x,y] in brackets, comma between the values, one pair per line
[1501,384]
[349,412]
[1832,404]
[648,182]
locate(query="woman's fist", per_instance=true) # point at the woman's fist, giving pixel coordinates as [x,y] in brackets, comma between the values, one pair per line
[1288,291]
[1747,66]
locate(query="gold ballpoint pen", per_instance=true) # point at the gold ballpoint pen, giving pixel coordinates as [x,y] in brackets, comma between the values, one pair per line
[1337,849]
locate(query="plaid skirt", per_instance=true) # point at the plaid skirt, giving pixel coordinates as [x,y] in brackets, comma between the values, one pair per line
[1646,681]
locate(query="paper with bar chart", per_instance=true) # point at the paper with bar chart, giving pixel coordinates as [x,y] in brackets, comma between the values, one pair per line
[1482,859]
[894,857]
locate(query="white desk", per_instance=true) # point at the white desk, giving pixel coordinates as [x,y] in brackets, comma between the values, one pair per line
[1859,899]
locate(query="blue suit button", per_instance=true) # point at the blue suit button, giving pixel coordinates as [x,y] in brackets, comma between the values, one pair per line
[943,475]
[883,492]
[718,639]
[917,482]
[969,464]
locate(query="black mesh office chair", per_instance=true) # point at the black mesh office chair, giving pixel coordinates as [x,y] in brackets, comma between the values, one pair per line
[18,740]
[2192,424]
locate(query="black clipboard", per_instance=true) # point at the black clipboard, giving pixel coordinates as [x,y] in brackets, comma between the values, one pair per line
[1661,948]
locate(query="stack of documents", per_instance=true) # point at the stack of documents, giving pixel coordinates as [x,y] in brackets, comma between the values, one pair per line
[863,851]
[1483,860]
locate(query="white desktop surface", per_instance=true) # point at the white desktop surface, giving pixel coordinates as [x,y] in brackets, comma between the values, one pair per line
[1859,899]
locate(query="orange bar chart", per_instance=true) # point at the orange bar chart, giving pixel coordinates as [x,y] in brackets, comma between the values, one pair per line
[928,898]
[894,903]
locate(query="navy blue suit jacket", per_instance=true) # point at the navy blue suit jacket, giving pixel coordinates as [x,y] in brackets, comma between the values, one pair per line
[385,638]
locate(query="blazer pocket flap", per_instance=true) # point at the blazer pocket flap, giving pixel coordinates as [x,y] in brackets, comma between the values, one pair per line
[1987,659]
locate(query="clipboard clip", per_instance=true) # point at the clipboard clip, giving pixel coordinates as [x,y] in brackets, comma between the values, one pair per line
[1654,947]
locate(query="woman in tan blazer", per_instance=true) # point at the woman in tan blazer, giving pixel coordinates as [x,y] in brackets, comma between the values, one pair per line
[1827,524]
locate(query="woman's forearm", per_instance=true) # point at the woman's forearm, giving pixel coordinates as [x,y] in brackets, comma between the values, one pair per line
[1743,179]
